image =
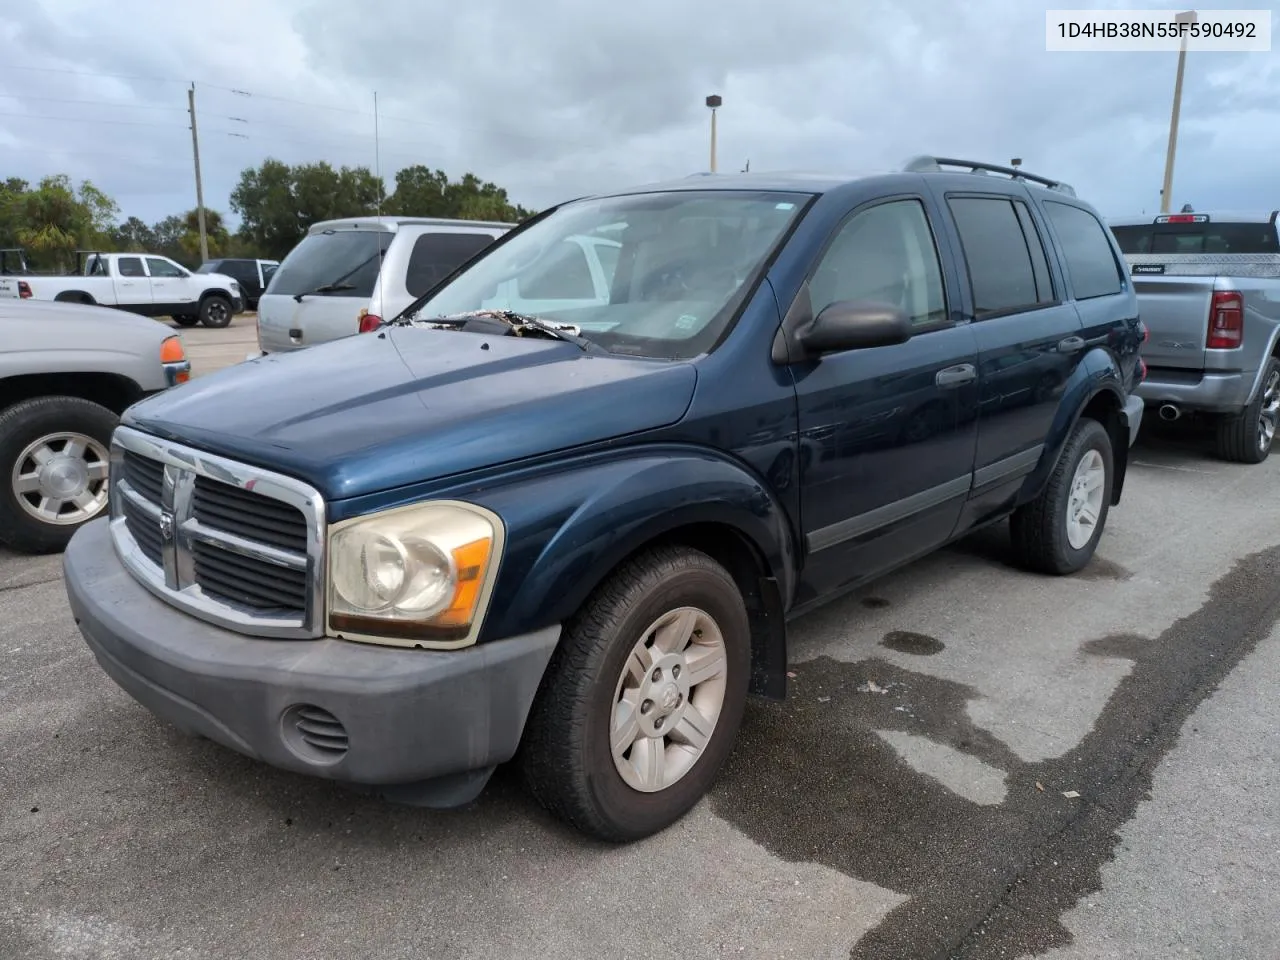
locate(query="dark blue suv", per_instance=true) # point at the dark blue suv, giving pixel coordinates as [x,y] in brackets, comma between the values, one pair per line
[562,508]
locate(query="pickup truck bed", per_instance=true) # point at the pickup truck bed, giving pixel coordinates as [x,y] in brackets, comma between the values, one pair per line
[1214,322]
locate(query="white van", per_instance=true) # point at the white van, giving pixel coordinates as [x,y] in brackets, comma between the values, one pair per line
[345,270]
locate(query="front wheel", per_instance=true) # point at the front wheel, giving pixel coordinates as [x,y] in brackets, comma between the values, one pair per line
[215,311]
[643,698]
[1247,437]
[53,470]
[1058,532]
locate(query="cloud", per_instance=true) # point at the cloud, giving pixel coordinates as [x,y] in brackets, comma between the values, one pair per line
[557,98]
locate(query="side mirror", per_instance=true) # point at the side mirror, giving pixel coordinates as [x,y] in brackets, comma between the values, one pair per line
[854,325]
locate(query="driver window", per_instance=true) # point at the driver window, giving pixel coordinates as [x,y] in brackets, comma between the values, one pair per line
[887,255]
[162,268]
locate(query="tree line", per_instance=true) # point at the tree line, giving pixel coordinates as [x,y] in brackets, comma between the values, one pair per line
[276,202]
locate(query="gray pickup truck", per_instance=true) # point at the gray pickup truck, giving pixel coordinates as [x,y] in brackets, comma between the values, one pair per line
[67,371]
[1208,288]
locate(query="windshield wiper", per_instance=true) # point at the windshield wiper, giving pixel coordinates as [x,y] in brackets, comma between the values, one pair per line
[324,288]
[516,321]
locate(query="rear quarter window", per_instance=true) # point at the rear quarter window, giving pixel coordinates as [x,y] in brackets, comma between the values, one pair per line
[1091,263]
[436,255]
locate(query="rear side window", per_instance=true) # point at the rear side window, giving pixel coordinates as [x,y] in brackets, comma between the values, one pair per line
[1091,263]
[1002,273]
[130,267]
[436,255]
[1169,238]
[336,263]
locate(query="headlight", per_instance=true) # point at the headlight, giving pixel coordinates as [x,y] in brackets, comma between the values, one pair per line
[413,576]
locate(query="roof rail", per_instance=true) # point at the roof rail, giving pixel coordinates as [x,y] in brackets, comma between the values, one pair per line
[927,164]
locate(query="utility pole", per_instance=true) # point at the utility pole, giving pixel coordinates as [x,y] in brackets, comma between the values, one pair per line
[1167,190]
[195,149]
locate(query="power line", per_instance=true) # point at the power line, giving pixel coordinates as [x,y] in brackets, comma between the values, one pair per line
[127,123]
[94,73]
[95,103]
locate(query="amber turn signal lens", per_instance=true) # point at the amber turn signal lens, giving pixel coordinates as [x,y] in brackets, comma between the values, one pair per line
[171,351]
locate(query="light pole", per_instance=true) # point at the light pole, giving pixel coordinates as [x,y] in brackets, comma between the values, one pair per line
[713,102]
[1188,16]
[1016,162]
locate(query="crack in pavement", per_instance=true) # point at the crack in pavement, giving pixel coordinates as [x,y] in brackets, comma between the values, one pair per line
[810,780]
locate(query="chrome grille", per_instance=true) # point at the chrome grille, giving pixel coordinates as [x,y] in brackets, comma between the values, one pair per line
[230,543]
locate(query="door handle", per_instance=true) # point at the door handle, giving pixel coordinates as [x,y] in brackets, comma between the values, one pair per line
[956,376]
[1070,344]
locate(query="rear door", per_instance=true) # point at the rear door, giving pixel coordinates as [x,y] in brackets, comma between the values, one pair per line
[132,285]
[1028,333]
[318,291]
[887,452]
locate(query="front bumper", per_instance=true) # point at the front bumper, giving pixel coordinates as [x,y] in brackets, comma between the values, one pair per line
[375,716]
[1133,410]
[1196,389]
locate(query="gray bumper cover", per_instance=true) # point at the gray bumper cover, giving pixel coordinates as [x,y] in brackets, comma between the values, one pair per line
[433,723]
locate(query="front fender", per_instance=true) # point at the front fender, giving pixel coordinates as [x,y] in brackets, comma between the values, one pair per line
[568,528]
[1097,372]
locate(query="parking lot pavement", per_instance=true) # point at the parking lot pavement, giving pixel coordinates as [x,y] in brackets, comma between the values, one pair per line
[211,350]
[915,797]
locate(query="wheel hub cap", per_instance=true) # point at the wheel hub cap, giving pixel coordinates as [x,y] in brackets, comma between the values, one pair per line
[668,699]
[61,478]
[1084,505]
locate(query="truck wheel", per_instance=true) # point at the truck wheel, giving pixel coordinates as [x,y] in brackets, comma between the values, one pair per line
[1059,530]
[215,311]
[53,470]
[641,702]
[1247,437]
[186,320]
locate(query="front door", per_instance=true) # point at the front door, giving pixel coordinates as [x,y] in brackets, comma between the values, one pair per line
[171,285]
[886,452]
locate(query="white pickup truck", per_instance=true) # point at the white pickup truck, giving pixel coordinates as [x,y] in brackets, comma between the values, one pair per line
[144,283]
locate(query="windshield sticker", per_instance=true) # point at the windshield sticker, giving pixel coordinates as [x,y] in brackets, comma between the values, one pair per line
[686,322]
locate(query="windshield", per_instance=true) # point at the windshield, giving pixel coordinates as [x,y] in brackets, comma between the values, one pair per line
[653,275]
[1197,238]
[349,259]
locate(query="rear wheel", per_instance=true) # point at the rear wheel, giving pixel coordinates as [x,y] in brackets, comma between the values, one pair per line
[1247,437]
[53,470]
[1059,531]
[215,311]
[643,698]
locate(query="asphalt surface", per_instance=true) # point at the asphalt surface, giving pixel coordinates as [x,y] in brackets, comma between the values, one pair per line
[973,762]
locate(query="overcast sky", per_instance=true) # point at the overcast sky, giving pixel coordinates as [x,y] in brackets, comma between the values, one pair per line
[557,98]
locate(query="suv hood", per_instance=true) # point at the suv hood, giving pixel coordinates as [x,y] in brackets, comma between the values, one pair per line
[378,411]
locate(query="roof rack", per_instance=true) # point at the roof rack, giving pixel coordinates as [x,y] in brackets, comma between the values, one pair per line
[927,164]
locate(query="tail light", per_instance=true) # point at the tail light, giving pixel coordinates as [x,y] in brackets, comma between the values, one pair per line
[24,290]
[1146,331]
[369,322]
[1142,370]
[1226,320]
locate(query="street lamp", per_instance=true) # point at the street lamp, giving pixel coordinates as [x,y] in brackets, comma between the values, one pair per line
[1016,162]
[1188,16]
[713,102]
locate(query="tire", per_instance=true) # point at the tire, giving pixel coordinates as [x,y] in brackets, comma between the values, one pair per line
[47,423]
[1247,437]
[215,311]
[566,756]
[187,320]
[1042,530]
